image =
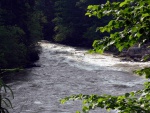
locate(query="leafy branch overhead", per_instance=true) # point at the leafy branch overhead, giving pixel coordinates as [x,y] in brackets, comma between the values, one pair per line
[133,102]
[130,23]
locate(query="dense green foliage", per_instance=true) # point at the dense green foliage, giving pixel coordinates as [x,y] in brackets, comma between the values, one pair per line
[23,23]
[20,29]
[70,24]
[130,25]
[47,8]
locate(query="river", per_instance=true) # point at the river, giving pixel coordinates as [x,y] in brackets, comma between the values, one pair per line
[65,70]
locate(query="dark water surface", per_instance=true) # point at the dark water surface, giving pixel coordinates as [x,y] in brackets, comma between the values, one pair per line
[64,71]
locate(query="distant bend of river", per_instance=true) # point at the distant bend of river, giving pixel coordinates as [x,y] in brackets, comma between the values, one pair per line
[67,70]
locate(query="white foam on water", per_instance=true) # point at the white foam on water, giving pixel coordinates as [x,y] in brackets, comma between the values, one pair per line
[82,60]
[37,102]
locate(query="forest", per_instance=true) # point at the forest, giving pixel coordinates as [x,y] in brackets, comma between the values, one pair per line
[23,23]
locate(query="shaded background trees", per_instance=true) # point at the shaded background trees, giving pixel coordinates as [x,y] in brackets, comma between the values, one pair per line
[71,24]
[20,29]
[23,23]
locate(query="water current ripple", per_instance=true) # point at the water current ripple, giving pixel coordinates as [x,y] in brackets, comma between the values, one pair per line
[66,70]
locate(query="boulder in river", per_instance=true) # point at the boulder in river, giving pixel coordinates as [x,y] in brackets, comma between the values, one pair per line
[136,53]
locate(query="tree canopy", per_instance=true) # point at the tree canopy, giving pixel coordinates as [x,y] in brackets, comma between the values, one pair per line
[20,29]
[130,23]
[24,23]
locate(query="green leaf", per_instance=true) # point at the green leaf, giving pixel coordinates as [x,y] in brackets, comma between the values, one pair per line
[134,29]
[144,16]
[102,29]
[100,51]
[124,3]
[120,48]
[62,101]
[132,94]
[85,109]
[138,35]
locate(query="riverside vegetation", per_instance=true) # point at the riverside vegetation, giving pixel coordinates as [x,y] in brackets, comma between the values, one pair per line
[23,23]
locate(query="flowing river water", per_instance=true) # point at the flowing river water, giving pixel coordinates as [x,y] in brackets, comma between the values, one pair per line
[64,71]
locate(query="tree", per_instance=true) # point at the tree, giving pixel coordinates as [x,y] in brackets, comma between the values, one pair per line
[71,26]
[67,21]
[20,29]
[130,25]
[47,7]
[90,24]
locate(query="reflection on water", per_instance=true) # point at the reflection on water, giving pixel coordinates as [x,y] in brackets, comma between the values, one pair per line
[66,70]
